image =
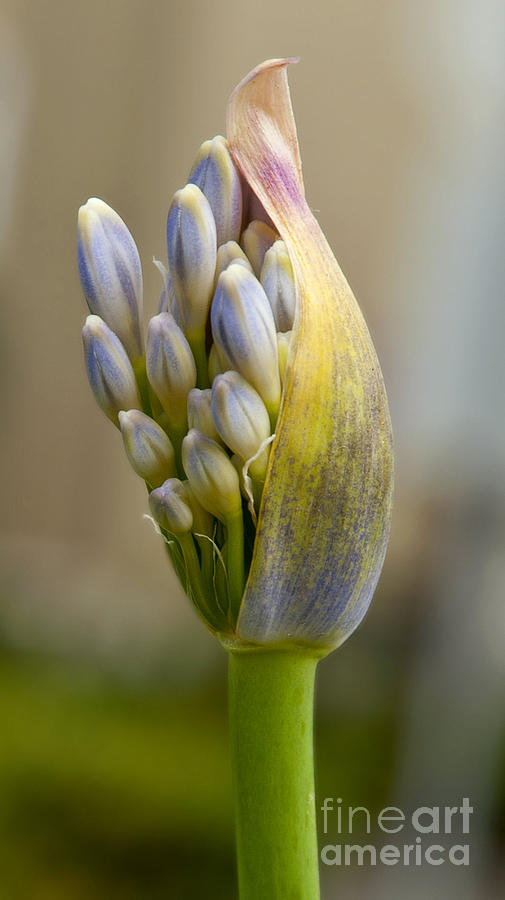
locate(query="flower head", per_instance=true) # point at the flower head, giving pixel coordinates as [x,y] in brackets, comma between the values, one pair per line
[262,376]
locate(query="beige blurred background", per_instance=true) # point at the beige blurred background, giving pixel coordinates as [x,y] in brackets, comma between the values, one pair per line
[109,682]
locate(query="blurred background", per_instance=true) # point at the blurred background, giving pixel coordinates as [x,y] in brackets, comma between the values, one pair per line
[114,770]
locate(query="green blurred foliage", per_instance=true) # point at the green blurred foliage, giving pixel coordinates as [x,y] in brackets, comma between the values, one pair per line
[106,791]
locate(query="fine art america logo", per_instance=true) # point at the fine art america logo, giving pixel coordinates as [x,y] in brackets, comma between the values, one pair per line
[436,828]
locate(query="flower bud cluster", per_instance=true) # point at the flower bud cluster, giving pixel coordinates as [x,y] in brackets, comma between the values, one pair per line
[198,406]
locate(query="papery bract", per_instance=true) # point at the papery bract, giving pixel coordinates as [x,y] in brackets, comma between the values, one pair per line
[324,520]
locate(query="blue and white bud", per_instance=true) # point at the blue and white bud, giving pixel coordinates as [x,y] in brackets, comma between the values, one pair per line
[169,507]
[110,372]
[257,238]
[241,418]
[148,448]
[110,272]
[279,285]
[212,476]
[229,253]
[170,367]
[200,413]
[191,250]
[244,330]
[215,174]
[283,345]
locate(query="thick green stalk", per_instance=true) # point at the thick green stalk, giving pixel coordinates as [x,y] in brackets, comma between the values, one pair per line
[271,733]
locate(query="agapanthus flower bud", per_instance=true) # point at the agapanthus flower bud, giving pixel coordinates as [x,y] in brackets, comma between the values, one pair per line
[169,508]
[279,285]
[109,370]
[257,238]
[242,419]
[191,250]
[200,413]
[148,448]
[215,174]
[211,475]
[243,328]
[316,470]
[170,367]
[229,253]
[110,272]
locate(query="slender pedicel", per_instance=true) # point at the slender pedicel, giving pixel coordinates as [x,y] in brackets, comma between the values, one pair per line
[216,486]
[171,510]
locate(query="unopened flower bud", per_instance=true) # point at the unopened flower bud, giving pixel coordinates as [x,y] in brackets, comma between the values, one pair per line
[257,238]
[148,448]
[211,475]
[279,285]
[191,250]
[200,413]
[169,508]
[240,416]
[216,176]
[110,272]
[244,330]
[229,253]
[283,345]
[170,367]
[109,370]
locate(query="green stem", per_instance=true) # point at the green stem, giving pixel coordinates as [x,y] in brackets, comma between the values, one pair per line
[235,562]
[139,367]
[177,432]
[198,594]
[271,733]
[196,340]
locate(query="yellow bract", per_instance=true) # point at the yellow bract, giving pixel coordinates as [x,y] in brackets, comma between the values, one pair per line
[324,520]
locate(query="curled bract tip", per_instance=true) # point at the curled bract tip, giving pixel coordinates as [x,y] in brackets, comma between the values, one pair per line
[324,521]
